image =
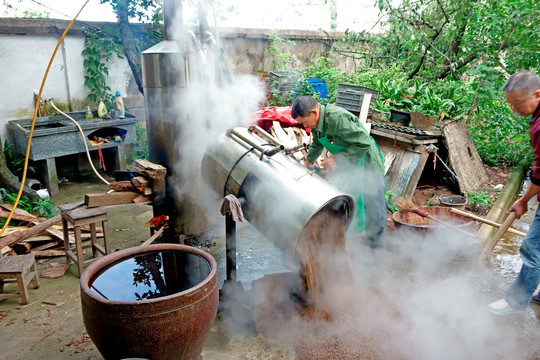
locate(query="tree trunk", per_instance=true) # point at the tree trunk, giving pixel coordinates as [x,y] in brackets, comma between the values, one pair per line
[10,182]
[128,43]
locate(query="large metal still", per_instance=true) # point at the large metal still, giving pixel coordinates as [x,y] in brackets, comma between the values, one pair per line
[278,195]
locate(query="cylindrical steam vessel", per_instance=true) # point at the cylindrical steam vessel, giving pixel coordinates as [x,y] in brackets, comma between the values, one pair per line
[278,195]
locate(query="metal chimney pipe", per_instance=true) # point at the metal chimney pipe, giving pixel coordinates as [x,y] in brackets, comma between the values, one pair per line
[166,93]
[172,19]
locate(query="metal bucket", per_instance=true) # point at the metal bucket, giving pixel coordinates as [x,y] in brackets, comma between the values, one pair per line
[454,201]
[279,196]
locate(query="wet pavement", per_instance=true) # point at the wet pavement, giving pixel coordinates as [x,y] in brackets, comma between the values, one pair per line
[444,299]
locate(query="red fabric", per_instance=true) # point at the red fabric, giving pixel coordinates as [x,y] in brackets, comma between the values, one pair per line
[265,116]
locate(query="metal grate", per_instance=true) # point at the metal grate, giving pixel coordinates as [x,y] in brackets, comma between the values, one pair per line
[283,81]
[350,97]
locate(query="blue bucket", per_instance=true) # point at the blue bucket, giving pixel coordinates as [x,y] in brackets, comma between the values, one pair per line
[319,86]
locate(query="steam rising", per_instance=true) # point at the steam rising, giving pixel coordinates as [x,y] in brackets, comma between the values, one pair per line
[408,302]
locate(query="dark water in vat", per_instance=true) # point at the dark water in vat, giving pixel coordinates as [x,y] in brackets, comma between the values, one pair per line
[150,275]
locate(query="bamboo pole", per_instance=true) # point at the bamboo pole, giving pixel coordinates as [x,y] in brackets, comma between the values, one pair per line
[486,221]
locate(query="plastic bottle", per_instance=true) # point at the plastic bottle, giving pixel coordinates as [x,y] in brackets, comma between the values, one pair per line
[120,105]
[88,114]
[101,109]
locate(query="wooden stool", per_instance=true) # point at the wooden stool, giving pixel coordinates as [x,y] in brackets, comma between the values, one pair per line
[21,269]
[78,214]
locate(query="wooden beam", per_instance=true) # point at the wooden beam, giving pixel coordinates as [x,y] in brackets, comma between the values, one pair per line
[115,198]
[51,229]
[153,237]
[141,181]
[153,171]
[364,109]
[36,229]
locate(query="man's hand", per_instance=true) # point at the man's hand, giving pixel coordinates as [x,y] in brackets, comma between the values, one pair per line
[329,163]
[307,163]
[520,207]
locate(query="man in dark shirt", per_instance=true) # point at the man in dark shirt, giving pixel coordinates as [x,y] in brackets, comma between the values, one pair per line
[358,163]
[523,93]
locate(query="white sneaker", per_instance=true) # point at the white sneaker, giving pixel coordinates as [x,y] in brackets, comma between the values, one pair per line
[501,307]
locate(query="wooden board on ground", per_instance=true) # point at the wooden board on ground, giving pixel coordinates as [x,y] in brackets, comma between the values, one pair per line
[19,236]
[54,270]
[12,229]
[115,198]
[48,253]
[464,159]
[40,238]
[51,229]
[18,216]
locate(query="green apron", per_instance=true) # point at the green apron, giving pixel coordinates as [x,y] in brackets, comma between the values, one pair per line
[360,215]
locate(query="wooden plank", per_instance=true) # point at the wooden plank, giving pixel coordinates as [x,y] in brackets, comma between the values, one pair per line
[389,158]
[141,181]
[142,199]
[22,235]
[122,186]
[364,109]
[13,229]
[153,237]
[51,229]
[40,238]
[281,135]
[5,250]
[54,270]
[147,168]
[46,246]
[115,198]
[48,253]
[17,216]
[464,159]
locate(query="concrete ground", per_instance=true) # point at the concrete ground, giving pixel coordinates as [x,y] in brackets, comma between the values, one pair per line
[451,323]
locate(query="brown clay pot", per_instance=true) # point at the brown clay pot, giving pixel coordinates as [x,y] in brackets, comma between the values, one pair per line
[171,320]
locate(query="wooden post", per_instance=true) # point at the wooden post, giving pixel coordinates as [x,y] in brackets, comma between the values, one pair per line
[364,110]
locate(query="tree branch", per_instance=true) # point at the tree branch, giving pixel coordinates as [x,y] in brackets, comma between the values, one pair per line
[128,43]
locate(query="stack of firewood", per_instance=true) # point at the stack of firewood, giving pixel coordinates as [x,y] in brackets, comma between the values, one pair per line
[292,136]
[141,189]
[29,234]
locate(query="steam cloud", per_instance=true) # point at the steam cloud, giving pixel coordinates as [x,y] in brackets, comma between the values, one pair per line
[403,303]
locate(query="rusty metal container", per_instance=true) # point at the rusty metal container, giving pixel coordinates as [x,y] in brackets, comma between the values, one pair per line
[154,302]
[416,222]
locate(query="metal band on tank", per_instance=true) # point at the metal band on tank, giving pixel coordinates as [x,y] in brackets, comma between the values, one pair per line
[232,169]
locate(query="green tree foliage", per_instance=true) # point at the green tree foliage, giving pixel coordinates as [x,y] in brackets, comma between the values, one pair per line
[448,58]
[446,38]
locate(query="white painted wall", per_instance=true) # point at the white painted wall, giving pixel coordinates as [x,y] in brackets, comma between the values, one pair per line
[23,62]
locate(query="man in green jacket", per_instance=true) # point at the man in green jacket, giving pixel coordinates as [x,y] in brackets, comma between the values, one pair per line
[357,162]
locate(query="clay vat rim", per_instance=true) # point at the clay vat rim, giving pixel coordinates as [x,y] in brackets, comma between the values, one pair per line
[125,254]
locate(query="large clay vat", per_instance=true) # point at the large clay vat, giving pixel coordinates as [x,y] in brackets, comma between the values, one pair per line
[154,302]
